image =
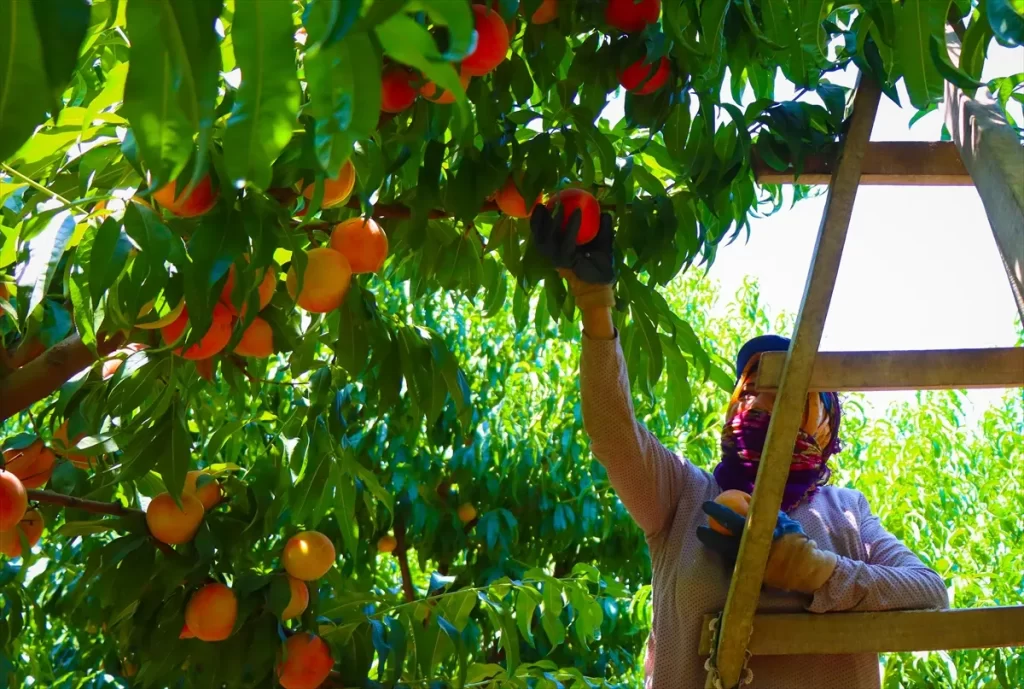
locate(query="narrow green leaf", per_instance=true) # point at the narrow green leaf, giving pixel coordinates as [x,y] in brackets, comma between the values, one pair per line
[916,22]
[23,103]
[267,101]
[344,92]
[409,43]
[171,86]
[62,28]
[44,253]
[1006,17]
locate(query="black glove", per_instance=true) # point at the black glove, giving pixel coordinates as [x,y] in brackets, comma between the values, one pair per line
[592,263]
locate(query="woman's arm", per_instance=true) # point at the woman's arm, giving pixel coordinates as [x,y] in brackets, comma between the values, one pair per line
[891,577]
[649,479]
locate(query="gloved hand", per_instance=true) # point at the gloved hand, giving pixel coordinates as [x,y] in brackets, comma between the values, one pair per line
[588,270]
[795,563]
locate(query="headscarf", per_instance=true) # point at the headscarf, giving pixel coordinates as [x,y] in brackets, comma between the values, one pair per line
[746,427]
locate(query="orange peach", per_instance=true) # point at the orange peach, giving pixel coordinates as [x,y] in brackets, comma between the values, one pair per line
[362,242]
[308,555]
[324,283]
[192,201]
[173,525]
[211,612]
[306,662]
[13,500]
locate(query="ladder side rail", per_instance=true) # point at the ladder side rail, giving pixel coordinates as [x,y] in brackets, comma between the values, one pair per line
[993,154]
[745,586]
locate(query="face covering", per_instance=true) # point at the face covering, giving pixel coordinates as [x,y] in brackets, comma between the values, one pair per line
[745,430]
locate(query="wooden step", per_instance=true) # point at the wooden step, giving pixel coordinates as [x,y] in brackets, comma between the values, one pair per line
[880,632]
[938,369]
[902,163]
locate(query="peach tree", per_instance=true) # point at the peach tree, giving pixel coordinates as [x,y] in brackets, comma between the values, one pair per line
[288,395]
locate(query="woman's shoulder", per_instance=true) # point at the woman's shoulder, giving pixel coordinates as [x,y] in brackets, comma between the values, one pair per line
[845,498]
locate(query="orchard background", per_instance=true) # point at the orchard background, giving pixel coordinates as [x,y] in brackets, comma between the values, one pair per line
[381,421]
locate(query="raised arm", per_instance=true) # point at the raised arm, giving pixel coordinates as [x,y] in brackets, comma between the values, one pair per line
[649,479]
[890,578]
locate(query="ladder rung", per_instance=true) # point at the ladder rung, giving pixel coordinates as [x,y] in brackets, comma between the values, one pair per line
[931,369]
[880,632]
[917,163]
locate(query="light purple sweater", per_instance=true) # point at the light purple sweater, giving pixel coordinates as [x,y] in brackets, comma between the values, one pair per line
[663,494]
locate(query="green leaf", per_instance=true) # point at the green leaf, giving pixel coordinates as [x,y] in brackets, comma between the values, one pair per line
[176,459]
[458,17]
[527,600]
[344,92]
[171,87]
[23,102]
[267,102]
[409,43]
[949,72]
[1006,17]
[44,250]
[109,254]
[975,45]
[916,22]
[63,25]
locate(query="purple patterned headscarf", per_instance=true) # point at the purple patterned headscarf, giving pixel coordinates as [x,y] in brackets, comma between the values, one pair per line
[746,427]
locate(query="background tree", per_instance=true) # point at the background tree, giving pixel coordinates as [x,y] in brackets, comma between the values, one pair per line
[246,413]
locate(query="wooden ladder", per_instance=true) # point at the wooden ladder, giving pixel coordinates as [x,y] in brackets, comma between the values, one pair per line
[987,153]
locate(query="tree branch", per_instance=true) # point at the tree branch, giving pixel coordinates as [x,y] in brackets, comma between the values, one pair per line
[42,376]
[403,558]
[113,508]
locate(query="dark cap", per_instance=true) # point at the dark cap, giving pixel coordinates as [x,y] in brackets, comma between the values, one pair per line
[762,343]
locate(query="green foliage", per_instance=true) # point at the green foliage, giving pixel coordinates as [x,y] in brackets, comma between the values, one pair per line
[446,378]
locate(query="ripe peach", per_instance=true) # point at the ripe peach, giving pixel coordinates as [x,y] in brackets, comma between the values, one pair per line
[111,366]
[211,612]
[257,340]
[737,501]
[31,525]
[172,525]
[186,633]
[299,601]
[396,89]
[386,544]
[362,242]
[305,663]
[336,189]
[431,92]
[467,512]
[209,493]
[62,446]
[192,201]
[547,12]
[215,339]
[308,555]
[590,212]
[32,464]
[267,286]
[491,42]
[325,282]
[632,78]
[511,202]
[630,16]
[13,500]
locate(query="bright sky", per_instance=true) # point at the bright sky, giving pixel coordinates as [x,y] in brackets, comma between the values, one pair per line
[920,269]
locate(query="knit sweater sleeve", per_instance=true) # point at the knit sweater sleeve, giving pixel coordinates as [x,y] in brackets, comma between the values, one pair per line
[649,479]
[890,577]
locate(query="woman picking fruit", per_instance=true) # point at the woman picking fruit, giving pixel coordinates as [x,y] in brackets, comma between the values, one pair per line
[830,553]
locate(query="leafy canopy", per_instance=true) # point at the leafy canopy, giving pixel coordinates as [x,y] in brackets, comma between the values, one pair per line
[444,379]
